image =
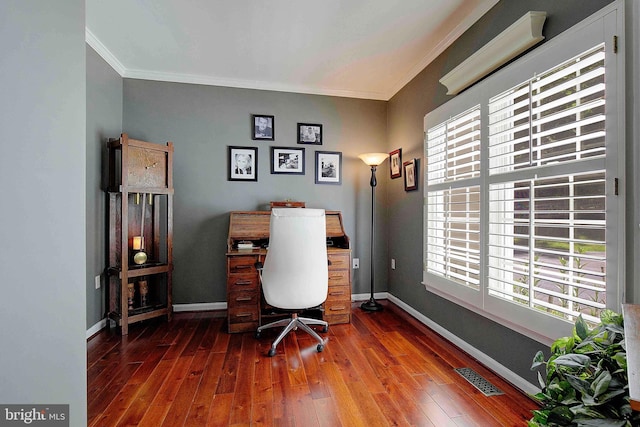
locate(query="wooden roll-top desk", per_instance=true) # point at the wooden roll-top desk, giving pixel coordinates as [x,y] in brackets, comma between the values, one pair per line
[246,244]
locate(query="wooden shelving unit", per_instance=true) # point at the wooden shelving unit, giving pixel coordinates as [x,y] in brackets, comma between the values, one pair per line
[140,193]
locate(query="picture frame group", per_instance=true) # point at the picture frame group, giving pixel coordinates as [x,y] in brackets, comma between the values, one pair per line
[242,162]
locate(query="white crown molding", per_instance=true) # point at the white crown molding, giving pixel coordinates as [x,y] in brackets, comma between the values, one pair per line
[520,36]
[104,52]
[247,84]
[443,44]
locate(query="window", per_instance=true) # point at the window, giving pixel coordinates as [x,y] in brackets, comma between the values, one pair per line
[453,231]
[521,219]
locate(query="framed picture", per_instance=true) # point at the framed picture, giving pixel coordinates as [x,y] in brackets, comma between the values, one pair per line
[263,127]
[410,175]
[395,162]
[328,167]
[243,164]
[309,133]
[287,160]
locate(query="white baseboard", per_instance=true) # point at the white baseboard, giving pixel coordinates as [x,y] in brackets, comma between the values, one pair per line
[96,328]
[510,376]
[203,306]
[364,297]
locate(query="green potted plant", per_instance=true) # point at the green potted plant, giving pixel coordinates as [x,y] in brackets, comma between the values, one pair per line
[586,380]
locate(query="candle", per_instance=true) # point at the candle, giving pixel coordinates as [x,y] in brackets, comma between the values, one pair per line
[137,243]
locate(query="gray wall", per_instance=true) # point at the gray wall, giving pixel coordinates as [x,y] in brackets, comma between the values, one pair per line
[104,121]
[203,120]
[406,112]
[42,220]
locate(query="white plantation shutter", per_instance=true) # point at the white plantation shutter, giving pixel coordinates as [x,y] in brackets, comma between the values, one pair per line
[453,199]
[522,224]
[547,235]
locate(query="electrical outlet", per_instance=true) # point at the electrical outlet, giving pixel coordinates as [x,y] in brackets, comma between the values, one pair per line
[98,282]
[356,263]
[393,263]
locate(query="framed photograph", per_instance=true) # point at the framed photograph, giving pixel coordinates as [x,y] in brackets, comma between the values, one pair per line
[243,164]
[287,160]
[309,133]
[263,127]
[328,167]
[410,175]
[395,162]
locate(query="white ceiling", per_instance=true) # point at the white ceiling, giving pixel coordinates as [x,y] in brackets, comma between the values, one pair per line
[354,48]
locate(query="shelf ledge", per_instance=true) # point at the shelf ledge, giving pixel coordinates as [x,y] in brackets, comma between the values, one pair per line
[520,36]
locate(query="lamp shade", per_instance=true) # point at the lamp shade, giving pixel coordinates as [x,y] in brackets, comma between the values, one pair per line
[373,159]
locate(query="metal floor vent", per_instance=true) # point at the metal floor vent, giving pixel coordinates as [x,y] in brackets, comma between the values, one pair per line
[478,382]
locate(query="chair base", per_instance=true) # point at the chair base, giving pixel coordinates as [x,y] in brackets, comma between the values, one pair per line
[292,324]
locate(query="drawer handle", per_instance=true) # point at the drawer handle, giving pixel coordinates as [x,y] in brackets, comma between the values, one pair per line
[243,282]
[339,308]
[242,267]
[337,262]
[336,293]
[242,299]
[335,277]
[244,314]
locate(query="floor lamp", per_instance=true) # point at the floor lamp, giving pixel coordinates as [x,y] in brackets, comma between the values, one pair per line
[373,160]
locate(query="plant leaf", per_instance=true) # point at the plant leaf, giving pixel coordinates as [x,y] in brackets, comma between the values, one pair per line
[601,384]
[538,360]
[609,317]
[580,385]
[561,415]
[581,328]
[562,345]
[541,380]
[573,361]
[588,422]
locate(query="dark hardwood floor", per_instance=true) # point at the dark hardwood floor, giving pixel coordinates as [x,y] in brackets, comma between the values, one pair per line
[383,369]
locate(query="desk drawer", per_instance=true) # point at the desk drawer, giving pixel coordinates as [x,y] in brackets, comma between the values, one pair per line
[337,311]
[243,298]
[237,282]
[338,278]
[339,293]
[339,261]
[244,264]
[337,306]
[337,319]
[243,314]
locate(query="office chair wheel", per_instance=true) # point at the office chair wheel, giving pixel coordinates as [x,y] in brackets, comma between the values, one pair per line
[325,329]
[257,335]
[272,352]
[320,348]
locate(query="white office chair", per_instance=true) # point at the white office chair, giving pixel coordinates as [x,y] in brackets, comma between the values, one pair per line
[295,271]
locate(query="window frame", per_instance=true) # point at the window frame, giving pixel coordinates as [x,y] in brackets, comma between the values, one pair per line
[597,29]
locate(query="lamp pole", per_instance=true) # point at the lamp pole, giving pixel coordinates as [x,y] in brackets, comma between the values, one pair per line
[372,304]
[373,160]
